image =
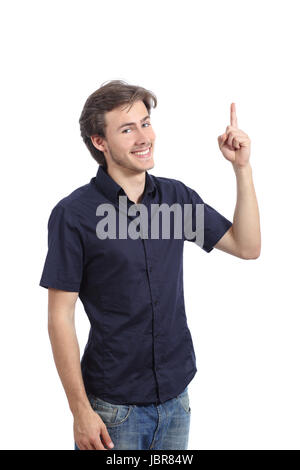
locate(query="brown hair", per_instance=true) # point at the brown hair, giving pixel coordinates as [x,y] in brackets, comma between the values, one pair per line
[106,98]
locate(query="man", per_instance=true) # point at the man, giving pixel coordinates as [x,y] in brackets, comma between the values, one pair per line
[130,390]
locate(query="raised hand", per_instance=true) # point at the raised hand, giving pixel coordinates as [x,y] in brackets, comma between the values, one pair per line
[234,143]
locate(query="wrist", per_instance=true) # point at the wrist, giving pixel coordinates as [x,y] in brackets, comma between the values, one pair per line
[80,406]
[242,168]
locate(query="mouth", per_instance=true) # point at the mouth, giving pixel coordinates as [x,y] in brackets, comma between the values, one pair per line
[143,154]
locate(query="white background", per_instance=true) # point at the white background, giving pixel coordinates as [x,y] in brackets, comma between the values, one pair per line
[197,57]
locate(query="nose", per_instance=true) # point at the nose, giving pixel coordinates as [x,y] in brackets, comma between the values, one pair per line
[141,137]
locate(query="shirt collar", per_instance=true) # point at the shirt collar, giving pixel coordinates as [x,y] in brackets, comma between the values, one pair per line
[111,189]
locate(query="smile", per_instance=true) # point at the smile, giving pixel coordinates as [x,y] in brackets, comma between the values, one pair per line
[144,154]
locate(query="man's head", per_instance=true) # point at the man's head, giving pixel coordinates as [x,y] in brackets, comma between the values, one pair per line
[103,129]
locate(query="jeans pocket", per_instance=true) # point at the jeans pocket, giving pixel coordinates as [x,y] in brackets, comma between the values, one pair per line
[110,413]
[184,401]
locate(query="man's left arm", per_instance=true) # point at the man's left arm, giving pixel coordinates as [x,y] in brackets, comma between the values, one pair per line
[243,239]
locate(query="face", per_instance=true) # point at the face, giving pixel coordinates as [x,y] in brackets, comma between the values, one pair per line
[123,141]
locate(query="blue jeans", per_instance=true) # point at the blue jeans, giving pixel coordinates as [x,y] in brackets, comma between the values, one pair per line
[158,427]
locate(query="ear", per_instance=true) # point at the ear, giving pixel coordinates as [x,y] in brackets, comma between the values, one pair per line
[98,142]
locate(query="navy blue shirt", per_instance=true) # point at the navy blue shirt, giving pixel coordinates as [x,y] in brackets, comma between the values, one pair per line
[140,349]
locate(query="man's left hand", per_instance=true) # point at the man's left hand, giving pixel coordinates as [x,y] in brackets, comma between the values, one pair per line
[234,143]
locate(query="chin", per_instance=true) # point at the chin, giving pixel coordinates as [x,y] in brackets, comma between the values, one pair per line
[151,165]
[143,164]
[147,165]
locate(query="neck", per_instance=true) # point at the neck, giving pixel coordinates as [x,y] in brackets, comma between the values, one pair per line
[131,181]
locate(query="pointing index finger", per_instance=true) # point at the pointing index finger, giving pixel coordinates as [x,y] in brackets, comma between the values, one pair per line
[233,118]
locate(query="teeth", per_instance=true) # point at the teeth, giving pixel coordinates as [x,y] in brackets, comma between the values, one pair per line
[142,153]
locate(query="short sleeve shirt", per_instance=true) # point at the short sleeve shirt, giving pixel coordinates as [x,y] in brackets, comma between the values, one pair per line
[140,349]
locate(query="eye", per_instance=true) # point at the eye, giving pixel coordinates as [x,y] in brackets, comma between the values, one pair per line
[124,132]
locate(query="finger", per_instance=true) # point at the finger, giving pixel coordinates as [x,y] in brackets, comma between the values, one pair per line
[231,128]
[90,446]
[221,140]
[233,118]
[83,446]
[235,132]
[235,144]
[228,141]
[106,438]
[98,444]
[230,138]
[238,135]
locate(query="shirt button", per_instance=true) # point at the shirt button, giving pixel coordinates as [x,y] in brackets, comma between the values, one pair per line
[155,302]
[150,269]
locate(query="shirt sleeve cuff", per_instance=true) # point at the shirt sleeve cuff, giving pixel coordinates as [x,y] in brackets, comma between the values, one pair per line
[55,284]
[217,237]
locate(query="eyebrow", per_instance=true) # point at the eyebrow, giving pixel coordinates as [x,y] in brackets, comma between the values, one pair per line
[131,123]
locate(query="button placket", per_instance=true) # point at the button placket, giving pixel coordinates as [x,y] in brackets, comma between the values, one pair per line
[154,304]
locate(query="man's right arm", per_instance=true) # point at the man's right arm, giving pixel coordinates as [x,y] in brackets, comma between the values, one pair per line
[88,426]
